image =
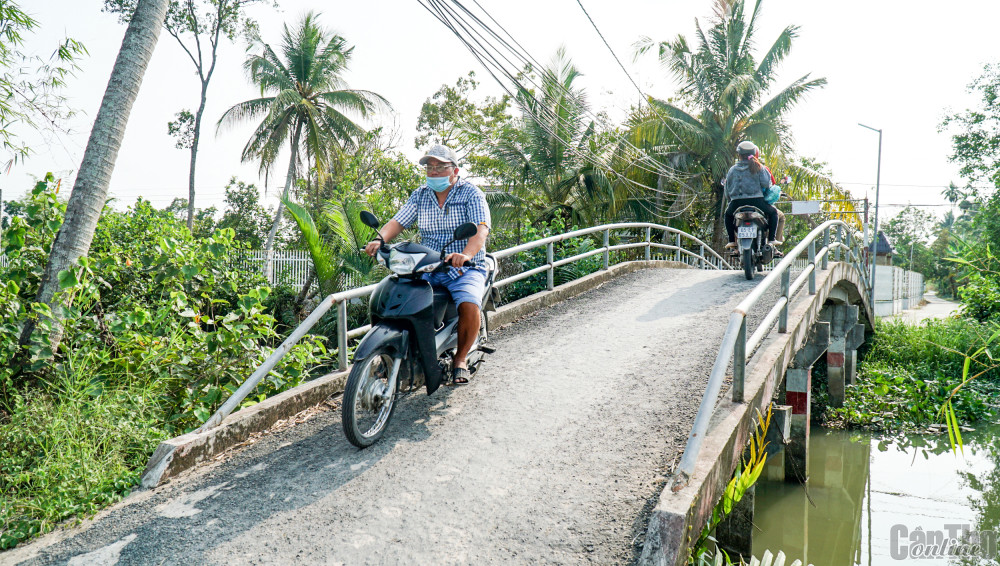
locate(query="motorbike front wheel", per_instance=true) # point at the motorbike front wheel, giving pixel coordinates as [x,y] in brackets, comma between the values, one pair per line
[366,411]
[748,263]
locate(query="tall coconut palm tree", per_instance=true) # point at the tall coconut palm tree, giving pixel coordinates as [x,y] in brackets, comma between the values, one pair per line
[304,97]
[723,97]
[90,190]
[553,154]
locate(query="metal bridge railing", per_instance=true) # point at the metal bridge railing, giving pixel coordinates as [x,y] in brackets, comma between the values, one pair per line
[711,261]
[735,343]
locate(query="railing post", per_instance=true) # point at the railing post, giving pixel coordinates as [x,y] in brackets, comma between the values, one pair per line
[740,362]
[551,273]
[840,240]
[607,242]
[826,245]
[678,251]
[812,262]
[649,234]
[701,259]
[783,316]
[342,333]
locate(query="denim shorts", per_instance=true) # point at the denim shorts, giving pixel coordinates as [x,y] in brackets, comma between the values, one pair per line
[466,288]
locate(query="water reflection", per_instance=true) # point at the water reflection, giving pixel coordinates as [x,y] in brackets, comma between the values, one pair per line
[862,487]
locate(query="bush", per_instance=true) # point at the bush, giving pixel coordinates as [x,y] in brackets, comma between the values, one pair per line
[910,371]
[536,257]
[157,331]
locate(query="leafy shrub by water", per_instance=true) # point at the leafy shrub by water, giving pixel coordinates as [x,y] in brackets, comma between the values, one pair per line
[909,372]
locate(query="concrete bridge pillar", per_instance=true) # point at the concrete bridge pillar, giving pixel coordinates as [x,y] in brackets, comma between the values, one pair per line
[841,357]
[798,394]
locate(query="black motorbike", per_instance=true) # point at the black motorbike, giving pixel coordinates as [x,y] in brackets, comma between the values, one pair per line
[413,337]
[752,249]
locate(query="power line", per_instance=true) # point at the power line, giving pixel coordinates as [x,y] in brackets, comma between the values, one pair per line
[631,80]
[942,186]
[490,55]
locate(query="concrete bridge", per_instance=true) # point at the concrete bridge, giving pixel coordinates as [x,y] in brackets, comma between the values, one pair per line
[566,448]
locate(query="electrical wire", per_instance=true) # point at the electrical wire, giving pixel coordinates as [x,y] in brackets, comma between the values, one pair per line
[631,80]
[492,58]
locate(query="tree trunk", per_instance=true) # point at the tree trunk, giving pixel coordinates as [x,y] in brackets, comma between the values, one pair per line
[719,236]
[269,246]
[194,155]
[91,187]
[197,119]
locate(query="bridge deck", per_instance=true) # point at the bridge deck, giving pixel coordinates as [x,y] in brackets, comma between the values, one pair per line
[554,454]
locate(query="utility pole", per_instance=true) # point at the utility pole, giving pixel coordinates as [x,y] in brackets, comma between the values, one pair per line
[878,178]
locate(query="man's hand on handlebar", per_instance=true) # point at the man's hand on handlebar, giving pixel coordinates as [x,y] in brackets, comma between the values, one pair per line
[458,260]
[372,247]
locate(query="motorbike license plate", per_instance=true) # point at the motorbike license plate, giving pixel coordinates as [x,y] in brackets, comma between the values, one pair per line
[746,231]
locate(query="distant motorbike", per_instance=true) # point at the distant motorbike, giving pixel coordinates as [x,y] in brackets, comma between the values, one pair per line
[751,235]
[413,337]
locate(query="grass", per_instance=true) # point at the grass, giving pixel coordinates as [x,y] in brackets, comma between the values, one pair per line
[71,447]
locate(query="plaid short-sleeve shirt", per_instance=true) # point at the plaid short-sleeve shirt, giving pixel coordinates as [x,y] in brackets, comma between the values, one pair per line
[437,224]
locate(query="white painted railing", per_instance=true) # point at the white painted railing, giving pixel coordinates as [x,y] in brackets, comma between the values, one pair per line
[705,257]
[834,236]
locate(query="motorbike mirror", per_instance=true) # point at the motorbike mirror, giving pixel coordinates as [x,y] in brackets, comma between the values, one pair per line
[465,231]
[369,219]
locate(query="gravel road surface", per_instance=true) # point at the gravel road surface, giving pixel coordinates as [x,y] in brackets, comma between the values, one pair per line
[554,454]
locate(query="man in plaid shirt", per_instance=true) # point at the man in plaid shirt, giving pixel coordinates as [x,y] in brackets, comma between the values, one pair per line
[439,206]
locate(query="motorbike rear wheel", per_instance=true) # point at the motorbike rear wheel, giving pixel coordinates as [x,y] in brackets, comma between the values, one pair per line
[365,413]
[748,270]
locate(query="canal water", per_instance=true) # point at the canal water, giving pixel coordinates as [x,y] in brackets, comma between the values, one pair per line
[874,500]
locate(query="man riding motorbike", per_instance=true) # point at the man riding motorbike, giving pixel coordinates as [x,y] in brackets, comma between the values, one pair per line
[438,207]
[745,185]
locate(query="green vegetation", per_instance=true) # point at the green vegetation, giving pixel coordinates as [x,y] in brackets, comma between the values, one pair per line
[909,372]
[157,330]
[943,371]
[705,551]
[303,100]
[143,329]
[722,100]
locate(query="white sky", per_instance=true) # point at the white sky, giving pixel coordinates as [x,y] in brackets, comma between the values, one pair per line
[899,66]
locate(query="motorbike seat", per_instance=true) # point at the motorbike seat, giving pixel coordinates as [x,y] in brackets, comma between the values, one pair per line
[444,306]
[751,213]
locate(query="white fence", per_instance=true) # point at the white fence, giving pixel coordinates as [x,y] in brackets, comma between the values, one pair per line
[290,267]
[896,290]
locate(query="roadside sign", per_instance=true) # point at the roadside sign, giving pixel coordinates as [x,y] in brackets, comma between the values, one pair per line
[805,206]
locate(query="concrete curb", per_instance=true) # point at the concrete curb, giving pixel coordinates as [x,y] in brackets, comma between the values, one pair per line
[188,450]
[182,453]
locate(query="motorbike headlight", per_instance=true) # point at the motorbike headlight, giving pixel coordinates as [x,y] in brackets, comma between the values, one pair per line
[403,263]
[429,268]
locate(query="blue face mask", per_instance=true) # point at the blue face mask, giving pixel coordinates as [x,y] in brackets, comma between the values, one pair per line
[438,184]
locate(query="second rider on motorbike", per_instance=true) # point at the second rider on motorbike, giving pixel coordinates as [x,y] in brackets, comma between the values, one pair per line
[745,183]
[439,206]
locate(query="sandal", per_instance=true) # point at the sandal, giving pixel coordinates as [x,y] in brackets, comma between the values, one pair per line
[460,376]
